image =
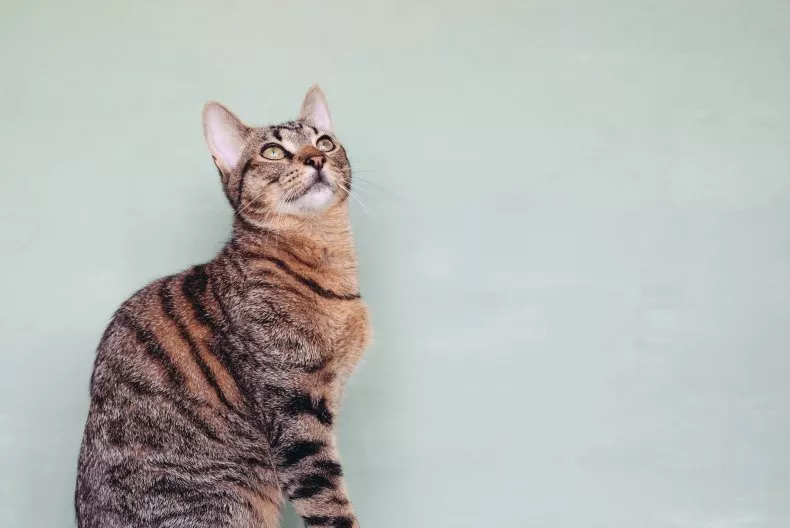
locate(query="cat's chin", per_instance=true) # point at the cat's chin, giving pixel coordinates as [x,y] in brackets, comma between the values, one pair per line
[316,200]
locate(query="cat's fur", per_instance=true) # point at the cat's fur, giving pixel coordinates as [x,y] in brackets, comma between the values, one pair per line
[215,391]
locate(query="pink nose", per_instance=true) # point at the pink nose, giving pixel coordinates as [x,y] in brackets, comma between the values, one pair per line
[315,161]
[311,156]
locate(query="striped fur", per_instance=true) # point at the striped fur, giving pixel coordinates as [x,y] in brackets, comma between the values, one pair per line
[215,391]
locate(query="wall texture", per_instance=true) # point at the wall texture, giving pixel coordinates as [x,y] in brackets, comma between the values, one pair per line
[576,246]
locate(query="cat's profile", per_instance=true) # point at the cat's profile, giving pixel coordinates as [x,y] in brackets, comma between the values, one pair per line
[215,391]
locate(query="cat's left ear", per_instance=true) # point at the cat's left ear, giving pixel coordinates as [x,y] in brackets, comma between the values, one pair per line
[315,111]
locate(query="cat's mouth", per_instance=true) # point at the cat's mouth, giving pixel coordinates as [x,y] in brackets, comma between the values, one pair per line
[318,184]
[316,194]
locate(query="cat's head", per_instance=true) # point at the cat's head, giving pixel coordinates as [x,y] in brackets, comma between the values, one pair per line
[298,168]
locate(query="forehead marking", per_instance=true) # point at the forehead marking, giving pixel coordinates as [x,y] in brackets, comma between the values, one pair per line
[290,138]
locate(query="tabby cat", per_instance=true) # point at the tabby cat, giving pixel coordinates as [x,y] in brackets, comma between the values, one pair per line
[215,391]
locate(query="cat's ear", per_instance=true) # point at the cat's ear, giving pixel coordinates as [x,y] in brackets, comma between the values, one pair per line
[315,111]
[225,135]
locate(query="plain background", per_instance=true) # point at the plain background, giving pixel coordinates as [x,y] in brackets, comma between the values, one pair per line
[576,250]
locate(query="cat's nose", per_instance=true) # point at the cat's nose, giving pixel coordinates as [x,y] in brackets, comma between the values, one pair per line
[311,156]
[315,161]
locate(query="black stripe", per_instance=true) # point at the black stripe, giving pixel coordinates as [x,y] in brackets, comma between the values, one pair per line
[251,255]
[329,467]
[156,351]
[242,176]
[147,338]
[276,134]
[185,490]
[169,485]
[169,309]
[222,308]
[188,475]
[193,287]
[265,285]
[317,367]
[262,461]
[119,474]
[302,403]
[199,423]
[312,485]
[201,512]
[138,387]
[190,468]
[298,451]
[314,286]
[116,434]
[334,522]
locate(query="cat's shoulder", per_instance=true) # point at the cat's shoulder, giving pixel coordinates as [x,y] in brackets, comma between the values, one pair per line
[141,305]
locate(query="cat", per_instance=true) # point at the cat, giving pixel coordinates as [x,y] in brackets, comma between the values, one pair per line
[214,391]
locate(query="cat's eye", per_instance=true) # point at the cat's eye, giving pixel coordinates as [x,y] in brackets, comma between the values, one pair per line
[273,152]
[325,144]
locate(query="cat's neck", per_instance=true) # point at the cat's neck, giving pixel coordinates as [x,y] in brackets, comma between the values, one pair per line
[323,245]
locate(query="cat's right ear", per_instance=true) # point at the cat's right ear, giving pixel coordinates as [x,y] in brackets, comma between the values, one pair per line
[225,135]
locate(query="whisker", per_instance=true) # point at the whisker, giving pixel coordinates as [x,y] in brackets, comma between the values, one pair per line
[371,183]
[364,189]
[361,182]
[243,208]
[354,196]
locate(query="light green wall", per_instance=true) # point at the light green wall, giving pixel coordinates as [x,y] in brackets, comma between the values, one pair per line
[577,255]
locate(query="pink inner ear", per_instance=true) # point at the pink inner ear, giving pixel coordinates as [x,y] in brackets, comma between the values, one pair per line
[228,149]
[224,137]
[319,116]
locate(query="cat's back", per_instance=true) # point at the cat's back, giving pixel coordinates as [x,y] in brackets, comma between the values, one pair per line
[163,339]
[166,422]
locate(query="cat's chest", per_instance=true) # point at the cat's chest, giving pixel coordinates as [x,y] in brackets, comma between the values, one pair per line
[305,330]
[342,325]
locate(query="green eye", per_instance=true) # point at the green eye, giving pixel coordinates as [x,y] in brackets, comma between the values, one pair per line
[325,144]
[273,152]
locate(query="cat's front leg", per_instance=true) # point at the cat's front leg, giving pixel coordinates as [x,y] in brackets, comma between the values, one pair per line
[309,470]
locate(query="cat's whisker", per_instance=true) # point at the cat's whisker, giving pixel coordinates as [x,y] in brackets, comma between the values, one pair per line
[243,208]
[369,182]
[354,196]
[363,189]
[360,184]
